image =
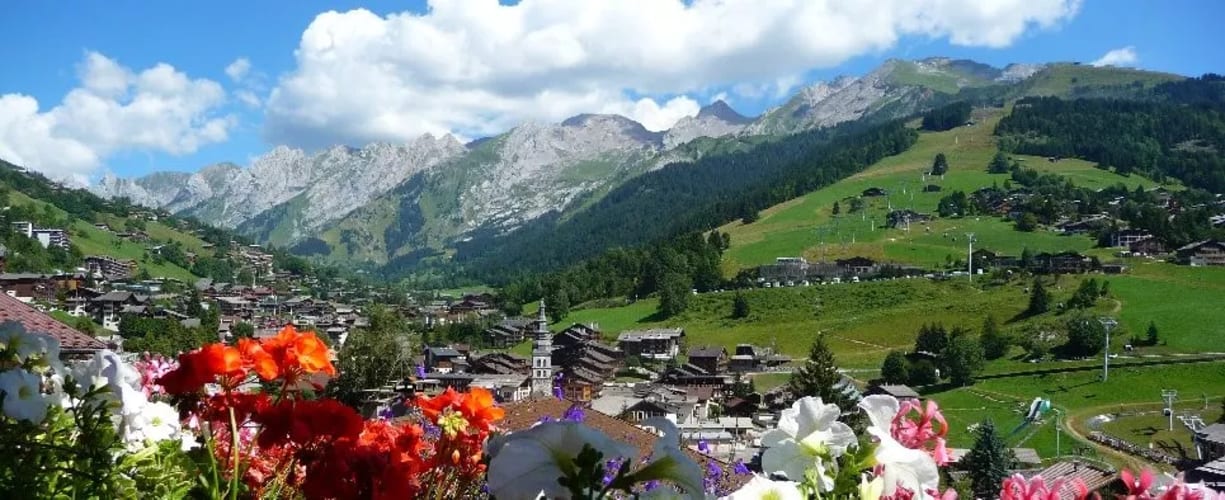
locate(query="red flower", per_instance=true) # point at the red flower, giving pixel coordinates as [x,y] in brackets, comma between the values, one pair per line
[435,406]
[202,366]
[259,359]
[479,408]
[293,353]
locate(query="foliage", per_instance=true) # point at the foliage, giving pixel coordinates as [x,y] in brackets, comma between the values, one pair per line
[895,369]
[1027,222]
[923,372]
[372,357]
[1086,336]
[1086,295]
[999,164]
[165,336]
[674,294]
[947,117]
[242,329]
[740,307]
[940,165]
[1039,299]
[963,358]
[995,343]
[1151,336]
[558,301]
[956,204]
[932,339]
[988,462]
[819,377]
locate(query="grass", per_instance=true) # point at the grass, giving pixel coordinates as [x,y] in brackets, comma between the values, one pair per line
[766,381]
[806,226]
[1151,428]
[93,241]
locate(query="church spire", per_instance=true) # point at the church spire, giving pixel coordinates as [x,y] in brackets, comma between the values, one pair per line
[542,355]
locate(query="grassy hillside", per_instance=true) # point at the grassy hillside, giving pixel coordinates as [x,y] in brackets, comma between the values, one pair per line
[93,241]
[798,226]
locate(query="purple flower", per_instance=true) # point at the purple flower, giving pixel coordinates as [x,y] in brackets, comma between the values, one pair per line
[713,474]
[558,393]
[432,431]
[703,446]
[386,413]
[651,485]
[740,468]
[573,414]
[545,419]
[611,468]
[420,371]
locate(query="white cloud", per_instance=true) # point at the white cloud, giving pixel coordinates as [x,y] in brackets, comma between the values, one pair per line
[238,69]
[651,115]
[477,67]
[1125,56]
[248,97]
[114,109]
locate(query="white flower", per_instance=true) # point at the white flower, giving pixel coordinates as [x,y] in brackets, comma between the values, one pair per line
[760,488]
[55,392]
[871,490]
[912,469]
[15,339]
[528,463]
[10,331]
[22,394]
[158,422]
[807,432]
[669,463]
[50,348]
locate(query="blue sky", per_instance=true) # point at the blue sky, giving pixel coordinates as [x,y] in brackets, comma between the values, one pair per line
[459,69]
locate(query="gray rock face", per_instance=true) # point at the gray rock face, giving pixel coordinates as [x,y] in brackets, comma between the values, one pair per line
[1017,72]
[537,168]
[330,184]
[715,120]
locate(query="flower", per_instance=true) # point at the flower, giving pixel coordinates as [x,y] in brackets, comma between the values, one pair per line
[258,359]
[669,463]
[480,409]
[297,353]
[871,489]
[901,467]
[203,366]
[808,433]
[919,433]
[528,463]
[22,394]
[1137,485]
[157,422]
[764,489]
[574,414]
[740,468]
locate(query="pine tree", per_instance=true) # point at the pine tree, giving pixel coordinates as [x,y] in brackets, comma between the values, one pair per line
[557,303]
[740,307]
[988,462]
[995,344]
[940,165]
[837,209]
[932,339]
[1039,299]
[895,369]
[819,377]
[963,358]
[675,289]
[999,163]
[1151,334]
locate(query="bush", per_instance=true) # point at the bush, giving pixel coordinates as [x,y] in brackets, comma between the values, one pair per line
[923,372]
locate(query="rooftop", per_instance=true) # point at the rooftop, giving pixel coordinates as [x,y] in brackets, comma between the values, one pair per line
[34,320]
[654,333]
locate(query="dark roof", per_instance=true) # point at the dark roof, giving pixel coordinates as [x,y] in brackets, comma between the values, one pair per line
[34,320]
[1214,433]
[707,352]
[897,391]
[1094,476]
[444,352]
[524,414]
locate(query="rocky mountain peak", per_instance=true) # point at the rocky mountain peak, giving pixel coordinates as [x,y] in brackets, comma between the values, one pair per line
[722,111]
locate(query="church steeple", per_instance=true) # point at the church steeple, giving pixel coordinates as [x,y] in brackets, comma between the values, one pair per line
[542,355]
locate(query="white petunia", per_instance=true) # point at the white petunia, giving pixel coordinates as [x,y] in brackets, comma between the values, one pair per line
[16,339]
[157,422]
[22,394]
[806,432]
[528,463]
[761,488]
[10,331]
[669,463]
[912,469]
[49,347]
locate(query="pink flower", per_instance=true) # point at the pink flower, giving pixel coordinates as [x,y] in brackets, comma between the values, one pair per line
[1137,487]
[923,431]
[151,367]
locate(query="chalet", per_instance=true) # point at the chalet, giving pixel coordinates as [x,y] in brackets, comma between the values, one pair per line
[1125,238]
[742,407]
[647,409]
[658,343]
[1210,445]
[500,363]
[1114,268]
[1064,263]
[712,360]
[72,342]
[900,392]
[1147,246]
[236,306]
[107,309]
[443,359]
[109,267]
[1084,225]
[900,218]
[874,191]
[508,332]
[690,375]
[857,265]
[1203,253]
[749,358]
[505,388]
[39,286]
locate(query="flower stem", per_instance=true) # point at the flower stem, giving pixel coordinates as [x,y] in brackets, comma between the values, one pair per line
[234,454]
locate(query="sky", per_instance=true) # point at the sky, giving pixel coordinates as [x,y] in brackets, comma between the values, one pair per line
[129,87]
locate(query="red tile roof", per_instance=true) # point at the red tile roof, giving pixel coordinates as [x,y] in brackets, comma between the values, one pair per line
[34,320]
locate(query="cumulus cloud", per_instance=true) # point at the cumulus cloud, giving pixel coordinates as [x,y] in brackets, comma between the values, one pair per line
[238,69]
[1125,56]
[477,67]
[114,109]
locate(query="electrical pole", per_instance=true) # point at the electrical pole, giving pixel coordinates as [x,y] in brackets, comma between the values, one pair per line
[1109,323]
[1169,395]
[970,238]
